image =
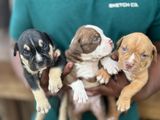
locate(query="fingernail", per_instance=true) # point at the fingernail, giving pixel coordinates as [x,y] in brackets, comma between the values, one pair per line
[70,65]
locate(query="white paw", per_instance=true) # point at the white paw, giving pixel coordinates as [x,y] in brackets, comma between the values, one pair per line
[102,80]
[55,85]
[110,65]
[111,118]
[79,93]
[43,106]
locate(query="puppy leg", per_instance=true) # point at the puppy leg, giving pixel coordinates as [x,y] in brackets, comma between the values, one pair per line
[98,110]
[79,93]
[110,65]
[63,108]
[113,113]
[42,105]
[128,92]
[55,82]
[103,76]
[39,116]
[73,115]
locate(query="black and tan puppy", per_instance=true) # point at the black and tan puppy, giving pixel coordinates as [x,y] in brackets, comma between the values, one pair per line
[37,53]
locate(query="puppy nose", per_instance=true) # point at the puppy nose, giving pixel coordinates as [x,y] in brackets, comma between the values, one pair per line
[110,42]
[129,65]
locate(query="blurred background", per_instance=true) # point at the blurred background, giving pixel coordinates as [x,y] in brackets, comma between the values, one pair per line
[16,100]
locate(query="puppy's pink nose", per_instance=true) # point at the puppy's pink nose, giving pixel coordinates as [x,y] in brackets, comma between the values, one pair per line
[110,42]
[129,65]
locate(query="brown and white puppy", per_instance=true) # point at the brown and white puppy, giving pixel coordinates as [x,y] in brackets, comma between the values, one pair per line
[135,52]
[88,47]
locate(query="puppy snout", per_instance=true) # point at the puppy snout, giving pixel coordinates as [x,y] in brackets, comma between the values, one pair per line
[129,65]
[111,43]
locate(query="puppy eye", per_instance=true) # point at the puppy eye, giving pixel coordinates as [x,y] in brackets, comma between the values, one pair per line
[26,52]
[124,49]
[44,46]
[143,56]
[96,39]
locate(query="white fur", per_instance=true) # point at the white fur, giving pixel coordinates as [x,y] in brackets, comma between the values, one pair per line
[79,93]
[128,75]
[85,70]
[42,106]
[131,58]
[110,65]
[100,31]
[89,67]
[38,57]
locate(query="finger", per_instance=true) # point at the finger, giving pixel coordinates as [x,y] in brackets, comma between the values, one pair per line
[90,94]
[93,89]
[68,68]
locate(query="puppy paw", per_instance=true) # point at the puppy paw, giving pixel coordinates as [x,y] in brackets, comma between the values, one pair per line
[79,93]
[113,68]
[55,85]
[123,104]
[110,65]
[102,76]
[43,106]
[111,118]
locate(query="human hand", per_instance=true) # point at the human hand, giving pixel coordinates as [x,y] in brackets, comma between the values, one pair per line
[113,88]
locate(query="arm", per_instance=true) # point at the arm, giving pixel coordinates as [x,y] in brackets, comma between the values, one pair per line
[154,78]
[117,83]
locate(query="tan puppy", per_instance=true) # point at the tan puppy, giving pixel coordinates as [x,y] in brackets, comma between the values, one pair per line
[135,52]
[88,48]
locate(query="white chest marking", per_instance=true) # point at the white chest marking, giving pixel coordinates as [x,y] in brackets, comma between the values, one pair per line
[86,69]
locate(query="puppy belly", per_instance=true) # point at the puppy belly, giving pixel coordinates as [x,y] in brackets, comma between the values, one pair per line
[88,106]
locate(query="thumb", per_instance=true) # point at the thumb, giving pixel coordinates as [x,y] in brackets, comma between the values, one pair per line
[68,68]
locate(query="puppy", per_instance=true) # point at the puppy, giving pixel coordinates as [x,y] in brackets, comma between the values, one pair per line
[135,52]
[89,48]
[37,53]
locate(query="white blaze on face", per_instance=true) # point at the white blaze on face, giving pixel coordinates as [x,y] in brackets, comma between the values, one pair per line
[131,59]
[38,57]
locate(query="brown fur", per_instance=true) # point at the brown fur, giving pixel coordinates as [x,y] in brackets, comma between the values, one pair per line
[145,52]
[83,43]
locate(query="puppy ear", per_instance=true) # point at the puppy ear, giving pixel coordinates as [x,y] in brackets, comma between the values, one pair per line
[15,49]
[118,44]
[74,52]
[154,52]
[46,36]
[72,56]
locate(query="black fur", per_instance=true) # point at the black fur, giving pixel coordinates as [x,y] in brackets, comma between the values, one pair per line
[30,38]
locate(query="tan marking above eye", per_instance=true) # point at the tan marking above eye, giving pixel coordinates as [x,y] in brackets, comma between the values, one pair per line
[40,42]
[26,47]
